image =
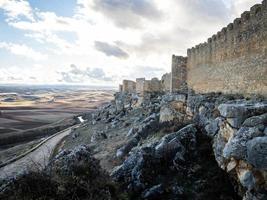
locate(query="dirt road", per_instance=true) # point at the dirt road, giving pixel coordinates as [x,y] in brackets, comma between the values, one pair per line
[37,159]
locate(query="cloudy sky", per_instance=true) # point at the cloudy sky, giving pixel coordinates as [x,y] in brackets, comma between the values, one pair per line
[101,42]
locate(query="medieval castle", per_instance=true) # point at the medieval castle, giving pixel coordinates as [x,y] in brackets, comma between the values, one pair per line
[232,61]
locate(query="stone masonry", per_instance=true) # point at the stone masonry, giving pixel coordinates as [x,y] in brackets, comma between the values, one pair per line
[128,86]
[178,74]
[120,88]
[166,82]
[140,85]
[235,59]
[148,86]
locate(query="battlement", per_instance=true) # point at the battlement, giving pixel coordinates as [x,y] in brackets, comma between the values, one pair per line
[231,61]
[243,39]
[247,18]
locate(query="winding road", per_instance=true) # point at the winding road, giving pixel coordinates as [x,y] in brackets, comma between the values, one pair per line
[36,159]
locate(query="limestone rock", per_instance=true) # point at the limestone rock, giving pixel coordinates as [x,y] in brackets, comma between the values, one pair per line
[238,112]
[257,152]
[212,127]
[236,146]
[98,135]
[153,192]
[218,145]
[121,152]
[166,114]
[247,179]
[256,121]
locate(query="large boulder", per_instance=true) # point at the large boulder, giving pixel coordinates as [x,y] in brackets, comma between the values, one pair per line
[147,127]
[236,146]
[241,143]
[236,113]
[257,152]
[138,168]
[166,114]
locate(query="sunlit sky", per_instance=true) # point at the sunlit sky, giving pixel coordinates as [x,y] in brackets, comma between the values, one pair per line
[101,42]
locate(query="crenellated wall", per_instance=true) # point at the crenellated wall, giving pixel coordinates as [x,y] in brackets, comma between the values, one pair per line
[235,59]
[178,74]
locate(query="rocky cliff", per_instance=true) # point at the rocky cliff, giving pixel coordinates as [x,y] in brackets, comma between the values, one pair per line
[175,146]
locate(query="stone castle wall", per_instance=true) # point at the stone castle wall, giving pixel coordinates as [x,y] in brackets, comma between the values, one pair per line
[166,82]
[235,59]
[179,74]
[140,85]
[155,85]
[148,86]
[120,88]
[128,86]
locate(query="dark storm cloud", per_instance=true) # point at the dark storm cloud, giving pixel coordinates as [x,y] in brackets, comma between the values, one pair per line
[77,75]
[110,50]
[128,13]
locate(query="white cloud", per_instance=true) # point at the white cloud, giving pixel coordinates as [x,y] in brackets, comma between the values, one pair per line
[87,75]
[45,21]
[239,6]
[145,32]
[16,8]
[23,50]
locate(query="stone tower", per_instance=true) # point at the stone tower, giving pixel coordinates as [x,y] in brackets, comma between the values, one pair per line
[178,75]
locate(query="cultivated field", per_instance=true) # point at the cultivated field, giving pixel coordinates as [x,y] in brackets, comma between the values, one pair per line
[28,114]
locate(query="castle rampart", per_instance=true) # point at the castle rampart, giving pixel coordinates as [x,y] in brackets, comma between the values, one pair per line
[128,86]
[140,85]
[166,82]
[148,86]
[120,88]
[178,74]
[234,60]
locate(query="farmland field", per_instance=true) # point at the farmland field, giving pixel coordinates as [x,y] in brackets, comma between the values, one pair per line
[25,111]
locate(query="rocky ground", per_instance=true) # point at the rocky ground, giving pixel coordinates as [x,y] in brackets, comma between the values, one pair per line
[164,147]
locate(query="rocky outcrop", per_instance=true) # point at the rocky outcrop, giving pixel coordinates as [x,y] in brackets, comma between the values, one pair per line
[173,168]
[147,126]
[170,147]
[71,173]
[173,109]
[238,129]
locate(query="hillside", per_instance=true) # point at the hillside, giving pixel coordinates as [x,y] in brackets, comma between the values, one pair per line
[174,147]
